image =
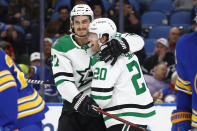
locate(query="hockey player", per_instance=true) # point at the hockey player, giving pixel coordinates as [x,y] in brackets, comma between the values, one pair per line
[120,89]
[21,106]
[185,116]
[72,74]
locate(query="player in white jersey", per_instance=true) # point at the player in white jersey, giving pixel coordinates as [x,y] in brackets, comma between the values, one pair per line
[119,89]
[72,74]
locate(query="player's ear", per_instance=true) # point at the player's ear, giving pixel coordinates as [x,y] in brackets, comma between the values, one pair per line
[72,25]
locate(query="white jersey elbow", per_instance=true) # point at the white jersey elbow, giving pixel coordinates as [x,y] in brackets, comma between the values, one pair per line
[135,42]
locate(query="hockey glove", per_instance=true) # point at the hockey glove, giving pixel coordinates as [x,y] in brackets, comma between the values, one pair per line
[114,49]
[83,104]
[181,121]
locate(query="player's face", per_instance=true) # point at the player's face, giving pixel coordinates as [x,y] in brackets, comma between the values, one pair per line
[80,25]
[93,39]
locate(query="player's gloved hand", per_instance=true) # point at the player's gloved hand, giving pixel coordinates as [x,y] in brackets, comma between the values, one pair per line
[181,126]
[181,121]
[113,49]
[83,104]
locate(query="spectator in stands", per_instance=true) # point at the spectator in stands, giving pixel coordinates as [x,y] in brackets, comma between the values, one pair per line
[98,9]
[7,47]
[193,21]
[18,10]
[161,54]
[157,81]
[183,4]
[168,94]
[3,27]
[47,51]
[173,36]
[3,13]
[144,5]
[194,27]
[17,41]
[194,2]
[193,17]
[50,92]
[25,14]
[35,59]
[131,17]
[76,2]
[194,5]
[60,26]
[47,54]
[141,54]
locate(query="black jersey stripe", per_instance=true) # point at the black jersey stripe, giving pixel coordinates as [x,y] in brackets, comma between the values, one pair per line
[63,74]
[96,89]
[118,107]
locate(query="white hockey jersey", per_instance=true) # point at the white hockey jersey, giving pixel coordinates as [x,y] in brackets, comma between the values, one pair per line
[121,90]
[71,64]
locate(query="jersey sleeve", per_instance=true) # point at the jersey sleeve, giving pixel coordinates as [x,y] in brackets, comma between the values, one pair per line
[135,42]
[8,94]
[182,84]
[183,87]
[63,75]
[104,79]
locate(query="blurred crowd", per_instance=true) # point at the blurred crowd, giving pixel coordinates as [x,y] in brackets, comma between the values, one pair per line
[20,37]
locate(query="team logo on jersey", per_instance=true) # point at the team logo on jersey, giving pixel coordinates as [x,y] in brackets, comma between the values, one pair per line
[86,77]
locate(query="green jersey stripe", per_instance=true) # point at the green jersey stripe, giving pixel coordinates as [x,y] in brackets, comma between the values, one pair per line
[101,97]
[61,81]
[135,114]
[125,128]
[93,60]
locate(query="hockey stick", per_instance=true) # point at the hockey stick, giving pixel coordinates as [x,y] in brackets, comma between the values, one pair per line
[48,83]
[40,82]
[120,119]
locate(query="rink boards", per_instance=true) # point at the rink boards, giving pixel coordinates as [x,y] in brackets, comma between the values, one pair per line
[162,122]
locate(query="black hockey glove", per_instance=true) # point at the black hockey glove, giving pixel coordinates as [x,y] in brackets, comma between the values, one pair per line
[83,104]
[113,49]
